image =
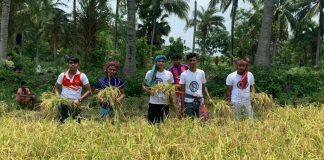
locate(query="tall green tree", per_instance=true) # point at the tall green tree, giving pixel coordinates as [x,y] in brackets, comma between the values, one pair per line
[4,28]
[206,19]
[309,9]
[39,12]
[263,59]
[178,7]
[92,18]
[225,4]
[56,27]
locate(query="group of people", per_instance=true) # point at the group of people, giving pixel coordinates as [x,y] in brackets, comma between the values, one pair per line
[190,82]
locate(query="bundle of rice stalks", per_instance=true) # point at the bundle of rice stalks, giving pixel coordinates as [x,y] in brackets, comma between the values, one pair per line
[110,94]
[262,102]
[3,107]
[168,89]
[220,108]
[50,102]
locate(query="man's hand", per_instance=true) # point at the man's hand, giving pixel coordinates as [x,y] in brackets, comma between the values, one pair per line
[76,102]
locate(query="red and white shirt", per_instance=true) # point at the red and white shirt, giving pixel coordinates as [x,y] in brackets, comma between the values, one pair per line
[72,86]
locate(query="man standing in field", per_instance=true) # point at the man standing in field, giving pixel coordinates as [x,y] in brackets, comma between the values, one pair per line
[192,83]
[158,103]
[110,79]
[72,82]
[240,84]
[177,69]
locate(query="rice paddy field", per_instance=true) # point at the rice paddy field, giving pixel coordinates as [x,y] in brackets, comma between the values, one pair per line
[285,132]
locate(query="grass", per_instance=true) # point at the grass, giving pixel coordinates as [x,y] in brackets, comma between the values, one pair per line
[281,133]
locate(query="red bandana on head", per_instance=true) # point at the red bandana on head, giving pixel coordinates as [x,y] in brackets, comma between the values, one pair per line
[244,80]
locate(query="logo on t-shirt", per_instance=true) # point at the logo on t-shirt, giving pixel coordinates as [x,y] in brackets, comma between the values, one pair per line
[194,86]
[239,86]
[158,80]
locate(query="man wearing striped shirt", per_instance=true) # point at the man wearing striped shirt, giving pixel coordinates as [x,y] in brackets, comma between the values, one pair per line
[176,71]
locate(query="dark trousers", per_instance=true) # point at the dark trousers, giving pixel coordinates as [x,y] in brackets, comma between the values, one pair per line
[65,112]
[157,112]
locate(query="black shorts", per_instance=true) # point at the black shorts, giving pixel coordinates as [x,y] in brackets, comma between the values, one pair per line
[157,112]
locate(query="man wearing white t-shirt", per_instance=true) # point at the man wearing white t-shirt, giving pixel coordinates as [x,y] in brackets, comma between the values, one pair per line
[192,83]
[240,84]
[158,104]
[72,82]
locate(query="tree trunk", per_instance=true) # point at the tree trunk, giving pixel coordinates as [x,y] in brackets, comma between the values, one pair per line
[130,62]
[4,29]
[233,15]
[74,34]
[37,51]
[153,35]
[54,48]
[116,25]
[319,40]
[195,29]
[263,59]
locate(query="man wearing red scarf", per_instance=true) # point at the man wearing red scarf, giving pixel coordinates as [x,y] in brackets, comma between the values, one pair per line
[240,84]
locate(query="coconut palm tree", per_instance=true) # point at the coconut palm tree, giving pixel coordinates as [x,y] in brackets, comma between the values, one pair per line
[206,19]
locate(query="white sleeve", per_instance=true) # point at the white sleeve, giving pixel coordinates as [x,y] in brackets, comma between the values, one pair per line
[182,78]
[171,77]
[60,79]
[252,80]
[203,78]
[84,79]
[148,75]
[229,80]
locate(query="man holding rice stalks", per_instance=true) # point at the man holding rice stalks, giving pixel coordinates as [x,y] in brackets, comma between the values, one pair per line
[192,83]
[158,103]
[176,71]
[110,80]
[240,84]
[72,82]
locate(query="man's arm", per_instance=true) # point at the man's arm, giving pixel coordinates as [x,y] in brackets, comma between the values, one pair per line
[122,96]
[87,93]
[229,93]
[145,88]
[252,89]
[56,89]
[207,93]
[183,91]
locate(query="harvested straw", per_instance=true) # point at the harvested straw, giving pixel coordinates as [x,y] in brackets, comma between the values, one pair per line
[168,89]
[50,101]
[262,102]
[220,108]
[110,94]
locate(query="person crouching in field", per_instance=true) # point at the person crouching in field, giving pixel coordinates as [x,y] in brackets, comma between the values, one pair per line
[24,96]
[193,83]
[110,79]
[240,84]
[158,104]
[72,82]
[176,71]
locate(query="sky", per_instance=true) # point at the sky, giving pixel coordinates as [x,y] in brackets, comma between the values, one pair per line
[177,25]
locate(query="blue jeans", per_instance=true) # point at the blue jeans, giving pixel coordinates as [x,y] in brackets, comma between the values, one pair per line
[104,111]
[192,110]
